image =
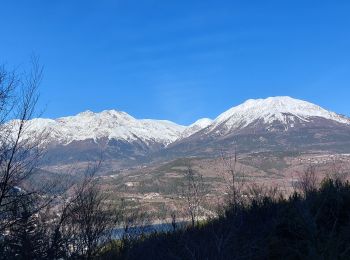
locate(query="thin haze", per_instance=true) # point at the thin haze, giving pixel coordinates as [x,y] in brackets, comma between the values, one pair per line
[180,60]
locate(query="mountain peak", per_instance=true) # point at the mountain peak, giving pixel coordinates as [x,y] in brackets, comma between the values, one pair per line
[203,122]
[86,113]
[111,112]
[281,108]
[279,102]
[108,124]
[196,126]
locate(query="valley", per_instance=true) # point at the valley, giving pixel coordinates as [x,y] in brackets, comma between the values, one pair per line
[158,187]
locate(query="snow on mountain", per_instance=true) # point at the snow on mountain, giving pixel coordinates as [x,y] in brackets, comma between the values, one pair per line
[281,109]
[196,126]
[109,124]
[112,124]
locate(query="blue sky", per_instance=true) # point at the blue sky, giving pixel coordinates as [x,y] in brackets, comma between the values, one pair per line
[180,60]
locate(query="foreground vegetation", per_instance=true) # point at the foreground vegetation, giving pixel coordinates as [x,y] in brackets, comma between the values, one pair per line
[313,225]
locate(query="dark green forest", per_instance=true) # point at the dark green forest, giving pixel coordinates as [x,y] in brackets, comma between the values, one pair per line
[315,225]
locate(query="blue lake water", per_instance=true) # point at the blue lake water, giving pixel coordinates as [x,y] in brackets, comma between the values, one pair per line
[148,229]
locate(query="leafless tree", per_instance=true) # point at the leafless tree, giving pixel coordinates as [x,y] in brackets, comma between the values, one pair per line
[307,180]
[44,226]
[233,176]
[19,151]
[258,192]
[87,219]
[338,171]
[173,221]
[133,220]
[193,191]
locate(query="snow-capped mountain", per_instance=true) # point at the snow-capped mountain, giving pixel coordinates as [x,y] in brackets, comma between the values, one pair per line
[196,126]
[285,111]
[109,124]
[274,123]
[115,134]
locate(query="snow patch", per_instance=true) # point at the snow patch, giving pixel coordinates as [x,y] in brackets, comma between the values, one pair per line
[196,126]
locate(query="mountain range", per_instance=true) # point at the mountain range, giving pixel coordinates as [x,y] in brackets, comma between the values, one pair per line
[271,124]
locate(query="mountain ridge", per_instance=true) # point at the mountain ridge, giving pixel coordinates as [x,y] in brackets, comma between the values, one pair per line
[284,109]
[281,123]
